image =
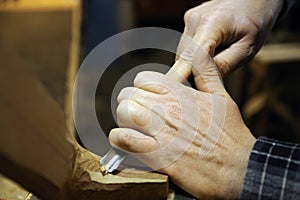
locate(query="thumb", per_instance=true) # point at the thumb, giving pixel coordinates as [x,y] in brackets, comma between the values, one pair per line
[196,59]
[206,74]
[235,56]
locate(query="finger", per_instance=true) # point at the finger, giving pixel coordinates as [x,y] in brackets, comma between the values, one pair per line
[129,115]
[135,94]
[145,99]
[184,41]
[233,57]
[132,141]
[155,82]
[200,29]
[147,120]
[206,74]
[208,37]
[181,70]
[147,81]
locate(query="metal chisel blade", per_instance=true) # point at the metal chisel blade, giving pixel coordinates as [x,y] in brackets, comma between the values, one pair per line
[111,160]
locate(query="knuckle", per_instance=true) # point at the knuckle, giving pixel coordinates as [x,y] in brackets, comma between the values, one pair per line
[195,16]
[139,78]
[209,19]
[122,94]
[191,17]
[223,66]
[127,112]
[119,113]
[125,142]
[187,16]
[129,93]
[123,110]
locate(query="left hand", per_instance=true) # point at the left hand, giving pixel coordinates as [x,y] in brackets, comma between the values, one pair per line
[198,138]
[232,32]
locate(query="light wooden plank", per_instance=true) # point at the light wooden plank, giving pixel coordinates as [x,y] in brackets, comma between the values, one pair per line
[38,5]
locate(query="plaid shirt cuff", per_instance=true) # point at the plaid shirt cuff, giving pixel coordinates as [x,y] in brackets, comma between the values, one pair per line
[273,171]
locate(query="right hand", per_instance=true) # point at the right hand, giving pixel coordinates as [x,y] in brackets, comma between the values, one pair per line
[232,32]
[197,137]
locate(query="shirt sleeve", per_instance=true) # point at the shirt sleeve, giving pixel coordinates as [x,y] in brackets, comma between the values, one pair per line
[287,5]
[273,171]
[290,3]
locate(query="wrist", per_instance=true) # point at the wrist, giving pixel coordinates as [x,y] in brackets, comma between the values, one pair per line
[244,159]
[237,169]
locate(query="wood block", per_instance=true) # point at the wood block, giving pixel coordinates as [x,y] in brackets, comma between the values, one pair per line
[43,36]
[38,152]
[39,51]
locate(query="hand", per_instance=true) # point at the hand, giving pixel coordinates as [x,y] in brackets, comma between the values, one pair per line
[230,31]
[198,138]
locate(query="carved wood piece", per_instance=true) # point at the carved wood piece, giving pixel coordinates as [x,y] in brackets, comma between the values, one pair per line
[37,151]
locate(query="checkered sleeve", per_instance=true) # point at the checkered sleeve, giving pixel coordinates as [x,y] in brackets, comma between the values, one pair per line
[291,3]
[273,171]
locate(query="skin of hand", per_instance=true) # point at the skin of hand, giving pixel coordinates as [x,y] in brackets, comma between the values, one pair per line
[232,32]
[197,137]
